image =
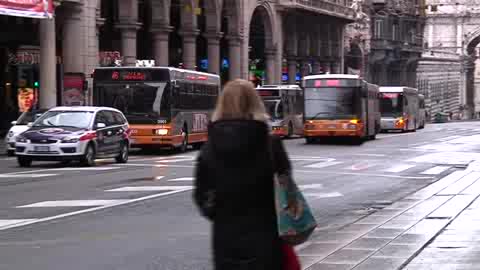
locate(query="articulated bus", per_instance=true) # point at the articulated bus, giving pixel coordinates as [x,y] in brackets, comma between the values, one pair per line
[399,107]
[284,104]
[165,107]
[340,105]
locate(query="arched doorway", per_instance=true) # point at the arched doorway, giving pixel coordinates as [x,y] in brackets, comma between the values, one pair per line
[471,94]
[261,49]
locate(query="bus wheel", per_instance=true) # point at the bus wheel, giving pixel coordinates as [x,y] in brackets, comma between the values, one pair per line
[290,130]
[184,145]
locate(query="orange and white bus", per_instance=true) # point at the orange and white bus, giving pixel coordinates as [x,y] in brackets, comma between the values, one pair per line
[284,104]
[399,107]
[340,105]
[165,107]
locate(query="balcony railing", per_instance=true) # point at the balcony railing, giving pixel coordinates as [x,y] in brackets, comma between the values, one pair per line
[337,8]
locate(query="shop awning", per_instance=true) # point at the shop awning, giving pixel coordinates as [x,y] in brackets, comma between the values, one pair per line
[42,9]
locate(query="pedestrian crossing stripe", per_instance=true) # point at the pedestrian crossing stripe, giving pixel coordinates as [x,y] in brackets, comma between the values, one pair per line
[27,175]
[151,188]
[10,222]
[73,203]
[436,170]
[399,168]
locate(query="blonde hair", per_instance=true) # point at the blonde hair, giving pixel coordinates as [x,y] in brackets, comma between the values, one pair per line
[239,100]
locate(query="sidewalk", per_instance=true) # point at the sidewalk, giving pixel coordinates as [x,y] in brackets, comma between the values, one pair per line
[400,235]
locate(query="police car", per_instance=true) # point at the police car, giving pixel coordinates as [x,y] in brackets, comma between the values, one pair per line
[75,133]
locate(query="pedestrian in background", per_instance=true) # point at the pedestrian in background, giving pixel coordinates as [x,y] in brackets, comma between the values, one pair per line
[234,182]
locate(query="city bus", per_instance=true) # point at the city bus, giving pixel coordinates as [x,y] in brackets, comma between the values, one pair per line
[340,105]
[399,107]
[422,112]
[284,104]
[165,107]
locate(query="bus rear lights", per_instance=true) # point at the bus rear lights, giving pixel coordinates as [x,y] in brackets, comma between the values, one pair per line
[162,132]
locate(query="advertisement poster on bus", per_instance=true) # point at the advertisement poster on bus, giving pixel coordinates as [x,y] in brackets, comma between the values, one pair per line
[27,8]
[73,90]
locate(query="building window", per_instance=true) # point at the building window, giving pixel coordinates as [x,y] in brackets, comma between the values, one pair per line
[395,32]
[378,28]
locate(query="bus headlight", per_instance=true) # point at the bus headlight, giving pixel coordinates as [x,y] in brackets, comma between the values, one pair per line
[162,132]
[400,121]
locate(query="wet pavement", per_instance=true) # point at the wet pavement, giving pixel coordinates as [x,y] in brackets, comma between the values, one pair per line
[436,227]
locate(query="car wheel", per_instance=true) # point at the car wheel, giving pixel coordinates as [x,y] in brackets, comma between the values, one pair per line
[89,157]
[24,162]
[10,153]
[123,156]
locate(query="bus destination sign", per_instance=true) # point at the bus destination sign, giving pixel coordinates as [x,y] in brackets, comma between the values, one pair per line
[320,83]
[128,76]
[269,93]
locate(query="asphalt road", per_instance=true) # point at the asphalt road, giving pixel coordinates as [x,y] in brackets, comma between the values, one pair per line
[140,215]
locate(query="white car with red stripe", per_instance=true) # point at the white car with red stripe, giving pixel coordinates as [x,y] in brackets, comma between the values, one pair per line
[75,133]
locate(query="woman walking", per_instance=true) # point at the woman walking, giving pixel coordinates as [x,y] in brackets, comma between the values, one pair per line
[234,185]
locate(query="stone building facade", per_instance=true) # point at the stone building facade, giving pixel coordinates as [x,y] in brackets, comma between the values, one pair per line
[267,41]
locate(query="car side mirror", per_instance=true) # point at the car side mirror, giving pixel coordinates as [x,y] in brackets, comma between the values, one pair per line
[30,124]
[13,123]
[101,125]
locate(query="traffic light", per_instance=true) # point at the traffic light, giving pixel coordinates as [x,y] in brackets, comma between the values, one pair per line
[36,85]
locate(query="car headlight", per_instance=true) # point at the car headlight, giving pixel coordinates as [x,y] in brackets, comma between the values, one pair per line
[21,139]
[162,131]
[10,134]
[69,140]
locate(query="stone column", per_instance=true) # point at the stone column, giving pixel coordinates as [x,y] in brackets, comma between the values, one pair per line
[335,67]
[213,40]
[48,64]
[325,66]
[160,45]
[234,44]
[72,42]
[316,67]
[189,48]
[305,68]
[129,43]
[292,69]
[270,66]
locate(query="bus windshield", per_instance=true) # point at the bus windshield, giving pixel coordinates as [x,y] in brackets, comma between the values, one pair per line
[142,103]
[274,108]
[326,102]
[391,104]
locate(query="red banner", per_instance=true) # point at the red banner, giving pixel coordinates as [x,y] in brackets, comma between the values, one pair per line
[27,8]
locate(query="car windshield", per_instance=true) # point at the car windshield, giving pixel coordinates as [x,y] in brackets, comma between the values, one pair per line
[74,119]
[28,117]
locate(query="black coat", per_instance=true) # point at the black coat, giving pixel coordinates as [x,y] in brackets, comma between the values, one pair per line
[234,189]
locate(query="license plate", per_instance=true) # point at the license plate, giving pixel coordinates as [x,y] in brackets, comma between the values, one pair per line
[41,149]
[332,126]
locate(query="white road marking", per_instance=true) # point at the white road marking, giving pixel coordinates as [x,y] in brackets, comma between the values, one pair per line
[89,210]
[10,222]
[73,203]
[385,136]
[448,138]
[155,165]
[27,175]
[369,174]
[436,170]
[323,195]
[323,164]
[84,169]
[370,155]
[150,188]
[400,168]
[174,160]
[181,179]
[8,159]
[159,177]
[360,166]
[311,186]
